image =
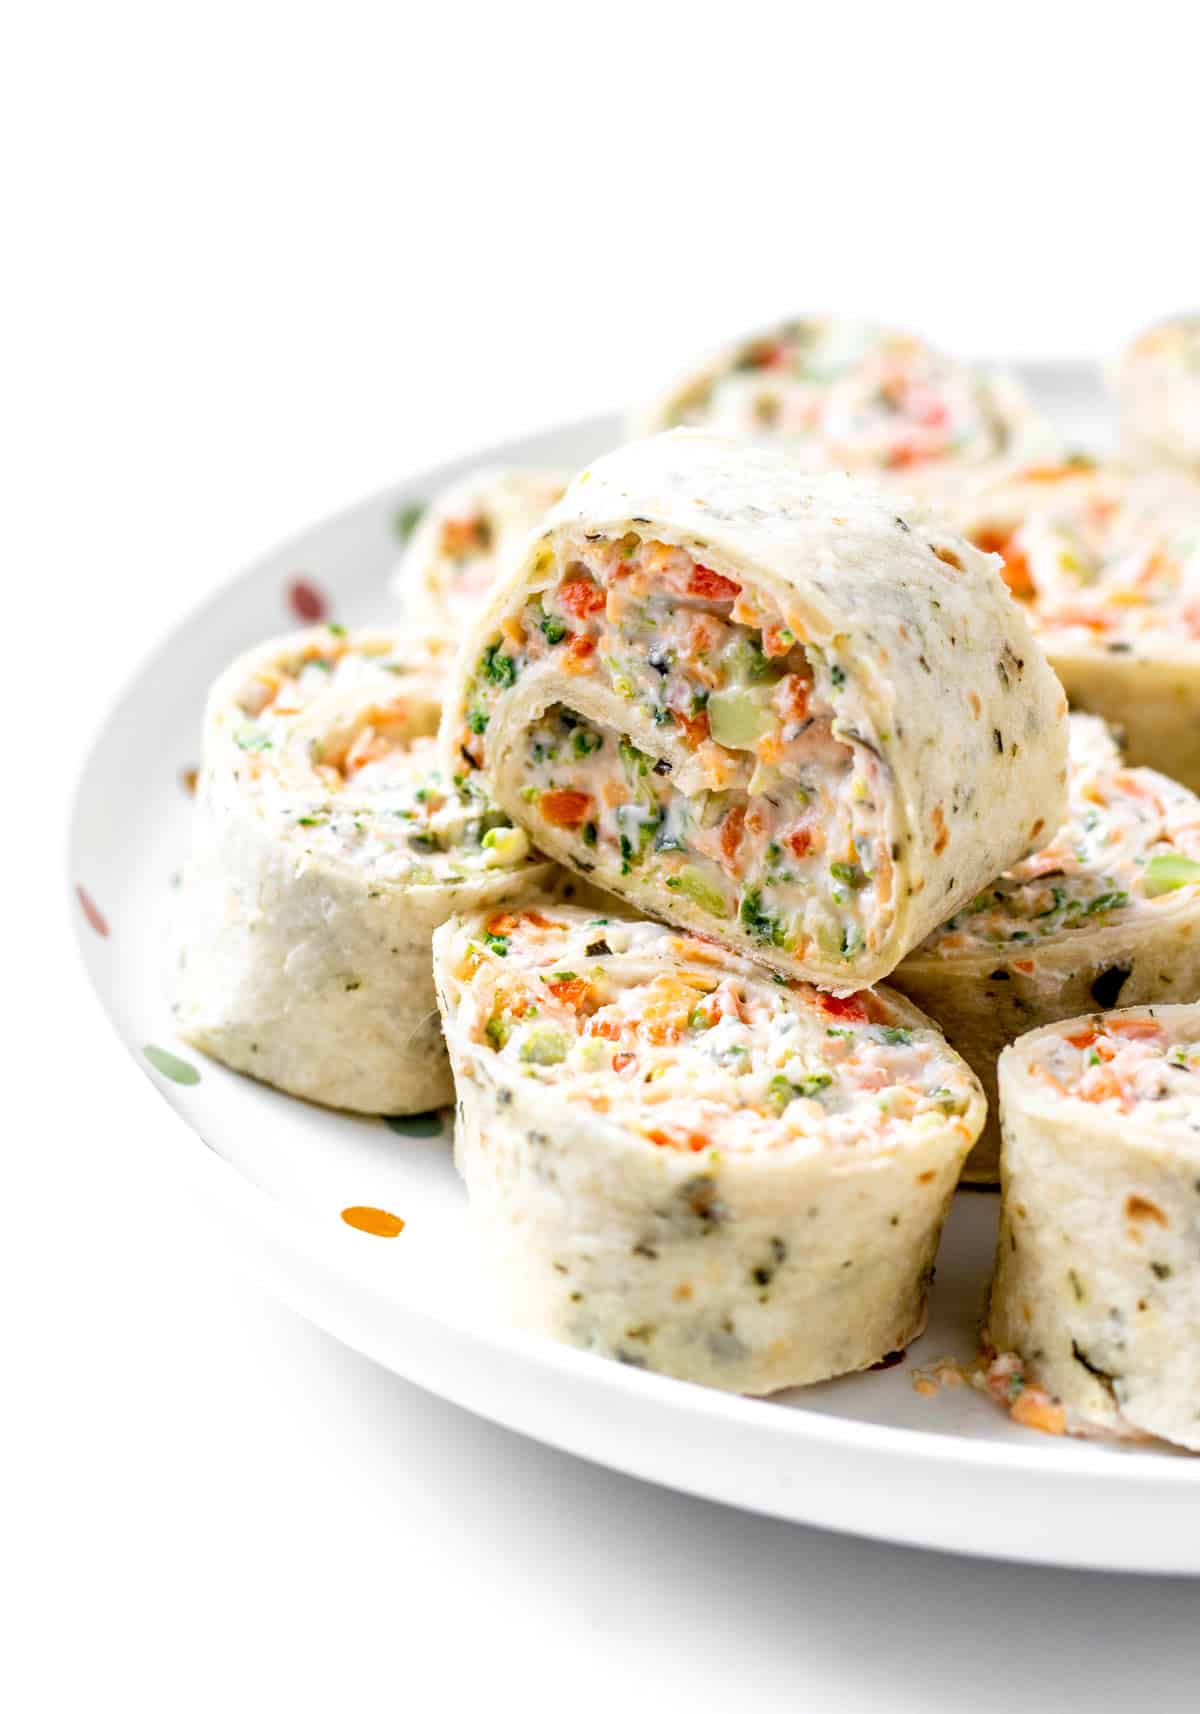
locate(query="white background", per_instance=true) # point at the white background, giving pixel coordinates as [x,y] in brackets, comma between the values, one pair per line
[262,259]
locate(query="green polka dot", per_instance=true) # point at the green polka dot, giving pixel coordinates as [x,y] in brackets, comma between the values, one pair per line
[415,1124]
[407,518]
[170,1065]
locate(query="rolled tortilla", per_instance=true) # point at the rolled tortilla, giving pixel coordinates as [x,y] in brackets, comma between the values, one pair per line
[328,844]
[678,1162]
[851,395]
[763,705]
[1158,394]
[1108,565]
[1108,911]
[999,506]
[1096,1289]
[465,542]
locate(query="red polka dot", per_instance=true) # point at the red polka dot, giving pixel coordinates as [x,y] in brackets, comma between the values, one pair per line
[94,916]
[306,601]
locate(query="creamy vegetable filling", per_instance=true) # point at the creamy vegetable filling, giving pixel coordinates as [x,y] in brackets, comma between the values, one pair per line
[1131,841]
[1124,1061]
[478,525]
[875,398]
[324,663]
[1175,343]
[337,750]
[1112,563]
[630,1020]
[767,811]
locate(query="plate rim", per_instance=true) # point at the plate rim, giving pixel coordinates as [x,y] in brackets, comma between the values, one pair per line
[301,1239]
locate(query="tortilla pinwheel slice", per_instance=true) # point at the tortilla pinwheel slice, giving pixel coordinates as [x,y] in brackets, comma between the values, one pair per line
[1109,911]
[1108,566]
[1095,1299]
[1158,394]
[676,1161]
[852,395]
[328,844]
[465,542]
[763,705]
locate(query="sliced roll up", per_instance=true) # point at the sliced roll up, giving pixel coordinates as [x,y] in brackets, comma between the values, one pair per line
[328,844]
[763,705]
[1158,393]
[851,395]
[1108,911]
[1108,566]
[465,541]
[1095,1298]
[676,1161]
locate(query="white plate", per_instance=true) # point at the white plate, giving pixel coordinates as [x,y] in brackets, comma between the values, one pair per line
[867,1454]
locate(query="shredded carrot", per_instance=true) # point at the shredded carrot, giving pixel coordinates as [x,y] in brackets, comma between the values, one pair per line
[463,535]
[539,921]
[1055,472]
[1083,1038]
[1098,1084]
[369,746]
[903,457]
[669,1003]
[695,1141]
[609,1028]
[695,727]
[1088,617]
[1047,862]
[1015,570]
[502,923]
[1042,1074]
[1137,1029]
[731,837]
[794,695]
[697,949]
[1133,787]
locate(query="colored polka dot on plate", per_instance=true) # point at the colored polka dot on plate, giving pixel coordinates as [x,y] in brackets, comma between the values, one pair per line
[407,518]
[188,778]
[415,1124]
[377,1221]
[170,1065]
[306,601]
[92,912]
